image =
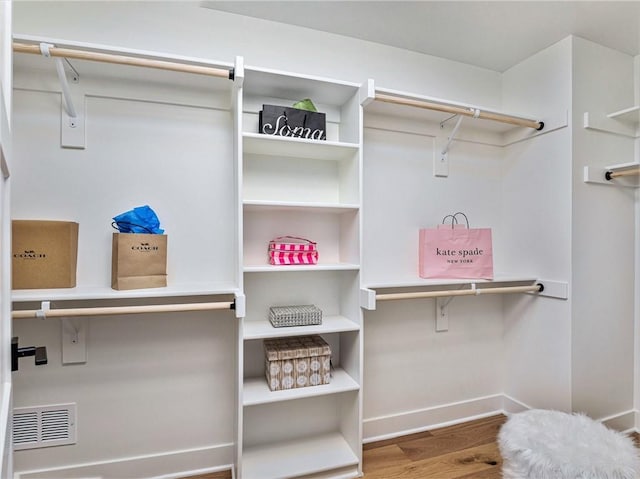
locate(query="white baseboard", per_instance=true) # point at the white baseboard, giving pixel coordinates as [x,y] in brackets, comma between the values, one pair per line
[168,465]
[624,421]
[513,406]
[410,422]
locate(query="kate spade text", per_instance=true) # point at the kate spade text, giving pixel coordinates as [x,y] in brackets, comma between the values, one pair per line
[461,252]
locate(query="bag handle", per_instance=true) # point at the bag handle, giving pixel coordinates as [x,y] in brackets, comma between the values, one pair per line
[115,226]
[454,219]
[294,237]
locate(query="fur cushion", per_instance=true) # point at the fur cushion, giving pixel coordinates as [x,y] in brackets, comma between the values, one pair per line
[540,444]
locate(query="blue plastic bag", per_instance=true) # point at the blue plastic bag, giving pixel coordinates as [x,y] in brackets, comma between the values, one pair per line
[141,219]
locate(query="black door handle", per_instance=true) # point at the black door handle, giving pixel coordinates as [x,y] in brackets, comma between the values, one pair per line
[39,352]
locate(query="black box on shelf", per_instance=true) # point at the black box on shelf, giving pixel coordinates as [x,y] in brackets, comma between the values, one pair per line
[293,122]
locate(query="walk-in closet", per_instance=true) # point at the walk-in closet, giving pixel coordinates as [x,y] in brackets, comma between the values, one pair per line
[108,106]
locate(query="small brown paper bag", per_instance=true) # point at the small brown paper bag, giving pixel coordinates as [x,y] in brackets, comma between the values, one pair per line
[138,261]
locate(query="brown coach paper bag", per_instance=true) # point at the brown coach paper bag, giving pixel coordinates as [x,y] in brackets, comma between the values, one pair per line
[138,261]
[44,254]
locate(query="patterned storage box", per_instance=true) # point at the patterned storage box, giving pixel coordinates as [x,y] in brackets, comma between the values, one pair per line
[297,362]
[292,250]
[306,315]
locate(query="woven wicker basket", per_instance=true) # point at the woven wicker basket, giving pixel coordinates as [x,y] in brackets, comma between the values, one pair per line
[297,362]
[306,315]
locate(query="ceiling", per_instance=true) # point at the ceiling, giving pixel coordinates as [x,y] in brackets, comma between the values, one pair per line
[494,35]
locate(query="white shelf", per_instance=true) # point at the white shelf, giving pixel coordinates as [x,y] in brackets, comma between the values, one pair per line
[628,115]
[91,293]
[286,85]
[297,457]
[256,390]
[432,116]
[330,324]
[318,207]
[259,144]
[419,282]
[267,268]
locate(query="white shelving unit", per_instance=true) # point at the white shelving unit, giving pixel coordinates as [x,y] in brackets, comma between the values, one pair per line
[311,189]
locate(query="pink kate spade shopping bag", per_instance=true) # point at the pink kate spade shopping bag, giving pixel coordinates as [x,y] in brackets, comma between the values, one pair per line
[456,252]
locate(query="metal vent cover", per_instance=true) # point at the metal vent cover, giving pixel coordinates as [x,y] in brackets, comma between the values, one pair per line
[44,426]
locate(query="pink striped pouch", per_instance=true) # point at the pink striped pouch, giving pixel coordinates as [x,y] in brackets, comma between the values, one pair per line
[290,250]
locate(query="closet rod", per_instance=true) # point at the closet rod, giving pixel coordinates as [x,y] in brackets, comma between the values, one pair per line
[609,175]
[105,311]
[124,60]
[534,288]
[458,110]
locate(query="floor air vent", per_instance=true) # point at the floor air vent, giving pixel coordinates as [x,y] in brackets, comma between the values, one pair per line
[44,426]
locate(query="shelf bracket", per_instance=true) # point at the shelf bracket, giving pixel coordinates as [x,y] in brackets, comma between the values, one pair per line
[238,72]
[367,93]
[240,304]
[368,299]
[445,150]
[441,156]
[72,119]
[442,314]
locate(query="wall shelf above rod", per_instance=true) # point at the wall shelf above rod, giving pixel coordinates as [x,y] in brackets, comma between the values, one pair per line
[443,106]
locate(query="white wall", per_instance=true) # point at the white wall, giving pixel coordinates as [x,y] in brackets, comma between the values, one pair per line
[536,206]
[413,373]
[636,90]
[202,32]
[5,288]
[603,239]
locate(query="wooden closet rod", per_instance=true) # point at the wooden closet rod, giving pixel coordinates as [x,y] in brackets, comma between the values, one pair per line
[458,110]
[125,60]
[534,288]
[609,175]
[106,311]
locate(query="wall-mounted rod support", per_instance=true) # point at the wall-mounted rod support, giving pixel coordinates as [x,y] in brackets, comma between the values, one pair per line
[45,51]
[111,310]
[125,60]
[535,288]
[64,84]
[453,135]
[459,110]
[610,175]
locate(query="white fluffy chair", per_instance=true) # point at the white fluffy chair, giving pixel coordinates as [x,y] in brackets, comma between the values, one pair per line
[540,444]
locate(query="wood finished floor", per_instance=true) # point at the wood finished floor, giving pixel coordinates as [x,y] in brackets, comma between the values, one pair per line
[463,451]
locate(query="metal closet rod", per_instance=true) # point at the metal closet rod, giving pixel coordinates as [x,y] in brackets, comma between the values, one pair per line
[609,175]
[459,110]
[124,60]
[534,288]
[111,310]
